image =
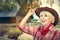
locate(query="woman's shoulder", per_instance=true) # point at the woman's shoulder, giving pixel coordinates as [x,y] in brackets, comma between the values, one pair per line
[54,30]
[57,29]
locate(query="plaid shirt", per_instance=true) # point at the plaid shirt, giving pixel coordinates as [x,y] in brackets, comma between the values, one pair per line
[41,34]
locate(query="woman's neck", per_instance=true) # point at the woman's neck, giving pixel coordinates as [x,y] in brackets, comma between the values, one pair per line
[48,26]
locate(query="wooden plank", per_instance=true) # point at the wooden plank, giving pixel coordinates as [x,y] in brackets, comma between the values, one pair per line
[8,24]
[7,19]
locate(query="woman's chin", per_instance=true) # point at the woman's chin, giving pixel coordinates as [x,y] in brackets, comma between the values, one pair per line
[43,24]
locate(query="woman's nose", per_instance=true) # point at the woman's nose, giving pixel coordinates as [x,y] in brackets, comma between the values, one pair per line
[43,17]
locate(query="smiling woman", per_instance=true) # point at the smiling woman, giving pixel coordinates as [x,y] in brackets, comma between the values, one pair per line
[48,17]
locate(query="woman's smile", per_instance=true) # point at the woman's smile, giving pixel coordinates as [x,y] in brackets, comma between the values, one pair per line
[43,21]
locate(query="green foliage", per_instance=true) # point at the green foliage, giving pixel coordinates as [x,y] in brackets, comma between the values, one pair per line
[7,5]
[34,20]
[57,26]
[15,30]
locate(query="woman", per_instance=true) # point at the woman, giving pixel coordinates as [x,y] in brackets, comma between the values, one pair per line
[48,18]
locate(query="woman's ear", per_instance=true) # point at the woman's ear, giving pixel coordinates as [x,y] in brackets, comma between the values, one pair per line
[52,20]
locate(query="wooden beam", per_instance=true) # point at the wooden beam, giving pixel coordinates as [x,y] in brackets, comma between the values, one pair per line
[8,24]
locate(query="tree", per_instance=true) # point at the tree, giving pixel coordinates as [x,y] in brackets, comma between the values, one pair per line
[7,5]
[27,4]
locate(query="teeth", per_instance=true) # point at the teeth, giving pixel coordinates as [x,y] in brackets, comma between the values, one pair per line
[43,21]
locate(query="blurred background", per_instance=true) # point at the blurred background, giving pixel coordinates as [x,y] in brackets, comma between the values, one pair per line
[13,11]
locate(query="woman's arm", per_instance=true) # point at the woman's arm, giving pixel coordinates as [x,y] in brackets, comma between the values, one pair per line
[24,21]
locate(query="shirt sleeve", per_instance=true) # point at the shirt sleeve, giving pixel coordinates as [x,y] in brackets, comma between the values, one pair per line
[27,29]
[58,36]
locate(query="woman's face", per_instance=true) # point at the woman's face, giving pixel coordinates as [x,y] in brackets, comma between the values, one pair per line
[45,18]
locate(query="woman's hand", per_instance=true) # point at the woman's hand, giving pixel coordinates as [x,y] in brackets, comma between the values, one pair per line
[31,11]
[25,19]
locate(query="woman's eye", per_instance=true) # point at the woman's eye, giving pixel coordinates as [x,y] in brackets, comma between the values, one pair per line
[41,15]
[45,15]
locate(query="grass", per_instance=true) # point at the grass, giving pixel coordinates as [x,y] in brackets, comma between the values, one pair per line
[57,26]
